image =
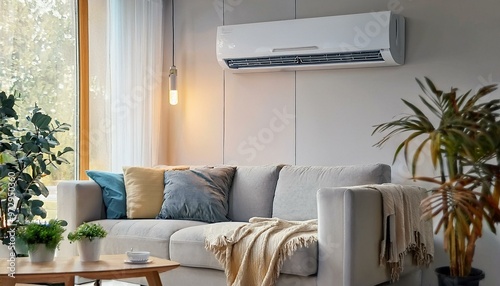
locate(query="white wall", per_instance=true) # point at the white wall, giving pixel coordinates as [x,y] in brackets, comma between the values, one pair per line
[323,117]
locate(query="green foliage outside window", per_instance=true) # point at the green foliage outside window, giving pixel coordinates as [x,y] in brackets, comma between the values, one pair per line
[38,59]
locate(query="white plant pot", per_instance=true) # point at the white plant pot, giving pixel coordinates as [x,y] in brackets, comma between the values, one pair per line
[40,253]
[4,251]
[89,250]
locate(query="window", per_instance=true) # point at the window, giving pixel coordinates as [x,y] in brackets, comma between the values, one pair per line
[38,58]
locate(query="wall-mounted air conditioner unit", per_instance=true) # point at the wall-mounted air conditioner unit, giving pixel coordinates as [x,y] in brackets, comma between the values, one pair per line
[347,41]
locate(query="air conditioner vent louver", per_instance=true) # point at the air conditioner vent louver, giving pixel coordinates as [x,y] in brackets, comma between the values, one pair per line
[312,59]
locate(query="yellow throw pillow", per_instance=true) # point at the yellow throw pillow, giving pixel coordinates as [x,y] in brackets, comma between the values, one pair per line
[144,188]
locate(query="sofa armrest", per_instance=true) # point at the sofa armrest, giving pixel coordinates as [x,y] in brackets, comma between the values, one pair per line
[78,202]
[349,236]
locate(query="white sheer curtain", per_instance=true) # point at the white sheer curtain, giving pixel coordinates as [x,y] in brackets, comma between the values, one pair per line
[134,82]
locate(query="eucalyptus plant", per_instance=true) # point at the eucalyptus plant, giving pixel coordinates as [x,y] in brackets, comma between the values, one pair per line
[462,135]
[27,155]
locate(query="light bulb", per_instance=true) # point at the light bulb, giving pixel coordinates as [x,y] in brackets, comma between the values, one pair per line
[173,95]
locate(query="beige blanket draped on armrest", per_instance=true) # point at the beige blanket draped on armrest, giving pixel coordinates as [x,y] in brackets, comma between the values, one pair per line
[404,230]
[253,254]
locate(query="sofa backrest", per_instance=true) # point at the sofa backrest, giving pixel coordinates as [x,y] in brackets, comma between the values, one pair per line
[252,192]
[289,192]
[295,195]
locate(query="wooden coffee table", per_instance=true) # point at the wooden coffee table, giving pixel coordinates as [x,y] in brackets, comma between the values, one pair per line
[64,270]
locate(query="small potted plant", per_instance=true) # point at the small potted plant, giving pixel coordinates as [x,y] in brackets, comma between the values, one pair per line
[88,237]
[42,238]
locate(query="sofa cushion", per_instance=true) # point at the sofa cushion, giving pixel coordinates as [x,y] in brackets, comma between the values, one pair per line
[252,192]
[187,246]
[199,194]
[113,192]
[142,234]
[295,196]
[144,188]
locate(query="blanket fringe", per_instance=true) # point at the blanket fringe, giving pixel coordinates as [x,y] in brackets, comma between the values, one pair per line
[289,248]
[217,247]
[420,256]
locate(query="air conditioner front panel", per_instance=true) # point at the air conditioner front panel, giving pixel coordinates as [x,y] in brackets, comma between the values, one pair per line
[327,37]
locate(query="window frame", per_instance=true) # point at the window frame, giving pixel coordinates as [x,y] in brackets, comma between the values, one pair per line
[83,85]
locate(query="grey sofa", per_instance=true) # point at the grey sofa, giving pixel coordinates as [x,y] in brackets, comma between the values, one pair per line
[349,222]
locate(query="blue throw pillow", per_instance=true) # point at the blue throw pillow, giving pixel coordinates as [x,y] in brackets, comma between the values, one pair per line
[113,192]
[197,194]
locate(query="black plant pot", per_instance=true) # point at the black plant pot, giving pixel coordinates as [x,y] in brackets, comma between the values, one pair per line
[444,278]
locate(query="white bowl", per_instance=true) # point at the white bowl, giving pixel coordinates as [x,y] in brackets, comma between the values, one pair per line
[137,256]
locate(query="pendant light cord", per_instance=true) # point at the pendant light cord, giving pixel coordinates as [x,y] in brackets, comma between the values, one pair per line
[173,35]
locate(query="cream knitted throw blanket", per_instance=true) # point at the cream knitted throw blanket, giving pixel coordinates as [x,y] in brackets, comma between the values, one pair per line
[404,230]
[252,254]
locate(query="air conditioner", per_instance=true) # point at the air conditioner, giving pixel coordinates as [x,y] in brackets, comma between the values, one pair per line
[347,41]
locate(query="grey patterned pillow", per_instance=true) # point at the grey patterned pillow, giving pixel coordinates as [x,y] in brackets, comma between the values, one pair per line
[198,194]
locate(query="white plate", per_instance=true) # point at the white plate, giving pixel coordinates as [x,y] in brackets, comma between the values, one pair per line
[138,261]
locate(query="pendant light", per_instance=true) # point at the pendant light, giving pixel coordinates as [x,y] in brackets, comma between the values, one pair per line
[173,96]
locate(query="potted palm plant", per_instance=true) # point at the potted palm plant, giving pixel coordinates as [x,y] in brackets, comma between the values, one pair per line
[462,135]
[42,238]
[27,155]
[88,238]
